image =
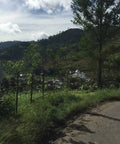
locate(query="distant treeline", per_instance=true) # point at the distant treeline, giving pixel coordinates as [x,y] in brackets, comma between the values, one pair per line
[15,50]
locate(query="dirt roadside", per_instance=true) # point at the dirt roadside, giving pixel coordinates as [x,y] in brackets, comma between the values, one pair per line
[99,126]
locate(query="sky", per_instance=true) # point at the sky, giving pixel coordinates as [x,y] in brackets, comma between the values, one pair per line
[27,20]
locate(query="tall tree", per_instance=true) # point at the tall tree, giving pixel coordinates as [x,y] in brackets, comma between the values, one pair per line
[15,68]
[31,62]
[99,16]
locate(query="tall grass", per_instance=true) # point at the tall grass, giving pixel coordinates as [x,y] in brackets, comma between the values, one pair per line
[37,120]
[24,99]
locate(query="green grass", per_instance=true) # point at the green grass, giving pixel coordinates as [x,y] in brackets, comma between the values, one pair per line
[37,120]
[24,99]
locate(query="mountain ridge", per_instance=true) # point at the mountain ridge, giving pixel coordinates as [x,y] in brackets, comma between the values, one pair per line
[14,50]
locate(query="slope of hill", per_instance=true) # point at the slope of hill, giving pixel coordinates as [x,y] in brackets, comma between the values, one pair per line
[15,50]
[7,44]
[67,37]
[12,50]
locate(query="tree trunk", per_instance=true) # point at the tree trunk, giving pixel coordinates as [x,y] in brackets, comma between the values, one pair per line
[17,91]
[1,91]
[43,85]
[67,79]
[31,91]
[100,67]
[100,46]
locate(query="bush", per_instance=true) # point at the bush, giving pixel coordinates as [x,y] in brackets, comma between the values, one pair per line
[41,117]
[75,83]
[38,120]
[7,106]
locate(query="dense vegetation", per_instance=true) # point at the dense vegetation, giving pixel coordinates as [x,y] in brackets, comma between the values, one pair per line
[45,83]
[15,50]
[61,55]
[41,108]
[35,123]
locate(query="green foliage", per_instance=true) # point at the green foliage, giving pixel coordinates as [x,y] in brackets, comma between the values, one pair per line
[99,17]
[32,58]
[14,67]
[44,114]
[38,120]
[75,83]
[7,106]
[29,76]
[12,50]
[15,50]
[97,14]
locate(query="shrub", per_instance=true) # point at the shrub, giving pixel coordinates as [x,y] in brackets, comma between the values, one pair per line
[38,120]
[7,106]
[75,83]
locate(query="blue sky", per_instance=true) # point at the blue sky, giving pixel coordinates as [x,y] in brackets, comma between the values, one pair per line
[33,19]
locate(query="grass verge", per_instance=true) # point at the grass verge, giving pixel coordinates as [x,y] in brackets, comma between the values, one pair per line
[37,120]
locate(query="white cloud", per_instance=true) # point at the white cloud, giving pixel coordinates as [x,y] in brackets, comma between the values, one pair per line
[9,28]
[3,1]
[32,17]
[39,36]
[49,6]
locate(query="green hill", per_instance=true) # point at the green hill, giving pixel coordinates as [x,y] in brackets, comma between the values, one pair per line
[15,50]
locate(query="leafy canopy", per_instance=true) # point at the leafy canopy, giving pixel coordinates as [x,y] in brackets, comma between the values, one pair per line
[32,58]
[14,67]
[98,14]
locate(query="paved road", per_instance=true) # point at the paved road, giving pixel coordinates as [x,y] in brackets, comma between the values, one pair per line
[100,126]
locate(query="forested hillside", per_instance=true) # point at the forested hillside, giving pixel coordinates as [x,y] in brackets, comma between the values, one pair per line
[15,50]
[68,51]
[7,44]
